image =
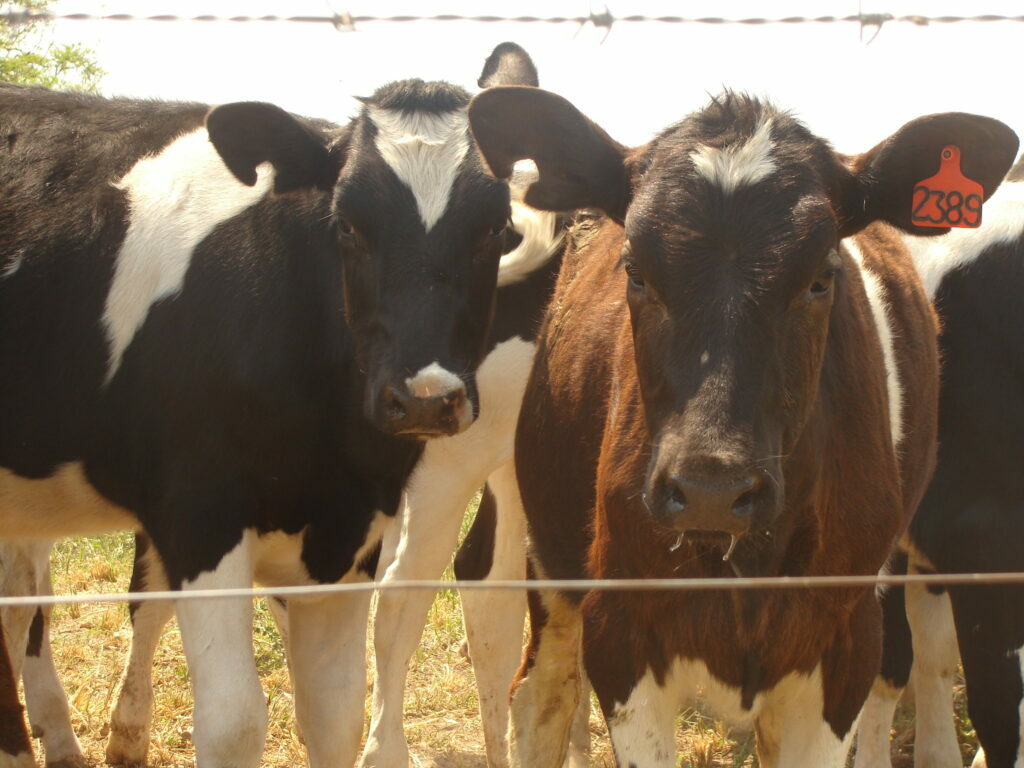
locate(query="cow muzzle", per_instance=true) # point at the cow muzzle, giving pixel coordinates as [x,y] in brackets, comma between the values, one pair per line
[711,507]
[433,403]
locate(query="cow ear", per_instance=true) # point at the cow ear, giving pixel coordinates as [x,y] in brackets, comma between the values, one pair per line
[248,133]
[579,165]
[883,179]
[508,64]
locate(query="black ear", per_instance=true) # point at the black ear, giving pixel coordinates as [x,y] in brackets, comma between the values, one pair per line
[508,64]
[248,133]
[884,178]
[579,165]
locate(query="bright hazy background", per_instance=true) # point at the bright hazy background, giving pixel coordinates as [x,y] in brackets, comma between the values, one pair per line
[638,80]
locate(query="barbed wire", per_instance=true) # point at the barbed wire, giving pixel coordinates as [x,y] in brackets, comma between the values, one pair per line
[564,585]
[602,20]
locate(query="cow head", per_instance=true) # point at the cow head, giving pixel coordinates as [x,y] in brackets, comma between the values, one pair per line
[420,228]
[732,222]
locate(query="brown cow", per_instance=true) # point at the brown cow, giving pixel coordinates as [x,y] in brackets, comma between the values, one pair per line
[727,382]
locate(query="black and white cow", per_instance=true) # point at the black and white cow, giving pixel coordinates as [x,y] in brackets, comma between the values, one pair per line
[972,516]
[235,330]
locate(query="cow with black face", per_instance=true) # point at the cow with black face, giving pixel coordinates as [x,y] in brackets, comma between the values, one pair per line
[719,387]
[408,196]
[233,330]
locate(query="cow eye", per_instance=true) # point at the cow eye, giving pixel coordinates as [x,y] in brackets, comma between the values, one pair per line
[500,229]
[345,227]
[636,279]
[822,285]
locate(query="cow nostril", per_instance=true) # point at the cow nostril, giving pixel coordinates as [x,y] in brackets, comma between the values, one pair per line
[454,398]
[746,502]
[394,409]
[676,498]
[744,505]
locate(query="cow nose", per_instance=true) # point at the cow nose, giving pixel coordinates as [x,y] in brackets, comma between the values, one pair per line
[403,413]
[694,503]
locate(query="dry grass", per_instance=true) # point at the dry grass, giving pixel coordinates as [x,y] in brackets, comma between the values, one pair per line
[441,719]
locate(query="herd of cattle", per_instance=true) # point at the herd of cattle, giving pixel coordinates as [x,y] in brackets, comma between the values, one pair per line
[290,352]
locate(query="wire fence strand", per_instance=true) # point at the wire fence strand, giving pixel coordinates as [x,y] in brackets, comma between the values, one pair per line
[564,585]
[605,19]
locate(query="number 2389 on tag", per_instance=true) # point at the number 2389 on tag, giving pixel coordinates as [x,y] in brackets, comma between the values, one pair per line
[948,199]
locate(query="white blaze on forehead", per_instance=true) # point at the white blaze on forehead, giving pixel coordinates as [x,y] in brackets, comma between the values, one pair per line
[433,381]
[733,166]
[1002,222]
[880,312]
[175,199]
[425,150]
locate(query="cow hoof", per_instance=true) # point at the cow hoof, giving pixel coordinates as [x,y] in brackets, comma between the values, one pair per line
[127,746]
[376,756]
[20,760]
[71,761]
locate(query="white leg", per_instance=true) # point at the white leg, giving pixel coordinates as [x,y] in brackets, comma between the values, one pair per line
[545,701]
[791,728]
[437,495]
[979,759]
[45,699]
[132,717]
[643,729]
[24,564]
[15,746]
[389,546]
[875,725]
[579,736]
[230,719]
[328,652]
[27,572]
[936,655]
[21,760]
[494,620]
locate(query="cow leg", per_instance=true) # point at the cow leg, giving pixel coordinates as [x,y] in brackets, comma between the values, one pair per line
[45,699]
[989,627]
[547,690]
[22,561]
[809,720]
[639,708]
[132,717]
[792,731]
[494,620]
[230,718]
[875,725]
[27,572]
[642,729]
[328,651]
[935,663]
[438,492]
[15,747]
[579,736]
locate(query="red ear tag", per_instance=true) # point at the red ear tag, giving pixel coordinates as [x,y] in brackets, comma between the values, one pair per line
[948,199]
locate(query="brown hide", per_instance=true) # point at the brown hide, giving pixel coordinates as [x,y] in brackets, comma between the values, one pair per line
[585,379]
